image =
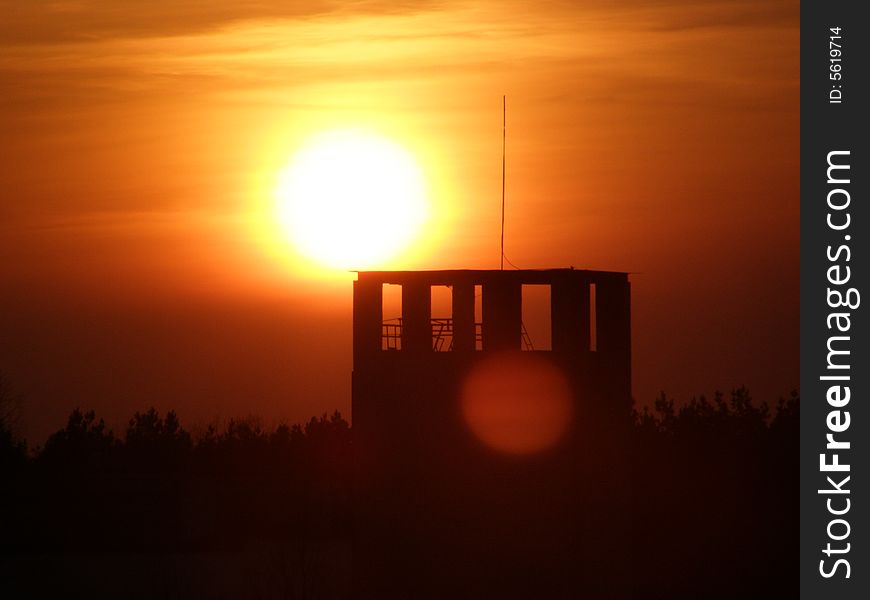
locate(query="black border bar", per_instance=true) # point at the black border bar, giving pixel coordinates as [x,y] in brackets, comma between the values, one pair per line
[835,227]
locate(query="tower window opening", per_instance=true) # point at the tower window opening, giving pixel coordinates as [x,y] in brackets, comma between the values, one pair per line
[391,317]
[536,324]
[441,297]
[478,317]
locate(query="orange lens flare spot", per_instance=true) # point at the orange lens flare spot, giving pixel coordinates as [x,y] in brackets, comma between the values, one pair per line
[518,404]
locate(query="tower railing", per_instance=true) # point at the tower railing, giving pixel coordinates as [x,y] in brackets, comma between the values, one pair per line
[391,334]
[442,334]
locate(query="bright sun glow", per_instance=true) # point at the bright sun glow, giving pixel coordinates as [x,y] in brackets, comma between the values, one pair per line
[351,199]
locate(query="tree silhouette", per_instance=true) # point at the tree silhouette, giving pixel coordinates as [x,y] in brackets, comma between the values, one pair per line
[84,444]
[152,441]
[713,512]
[13,451]
[715,497]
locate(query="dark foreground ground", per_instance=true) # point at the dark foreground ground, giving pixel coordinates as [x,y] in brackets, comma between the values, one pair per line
[241,512]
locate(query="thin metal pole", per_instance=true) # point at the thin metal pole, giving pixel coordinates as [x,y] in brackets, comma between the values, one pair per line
[503,141]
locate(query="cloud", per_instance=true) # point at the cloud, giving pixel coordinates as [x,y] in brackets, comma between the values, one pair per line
[63,21]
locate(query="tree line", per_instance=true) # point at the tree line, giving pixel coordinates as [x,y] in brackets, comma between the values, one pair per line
[714,488]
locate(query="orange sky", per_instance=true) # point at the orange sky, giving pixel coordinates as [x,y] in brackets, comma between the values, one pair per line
[141,141]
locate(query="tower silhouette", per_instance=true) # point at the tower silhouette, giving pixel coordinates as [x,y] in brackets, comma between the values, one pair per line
[442,513]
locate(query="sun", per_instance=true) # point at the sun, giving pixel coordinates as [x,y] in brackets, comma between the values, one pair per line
[351,199]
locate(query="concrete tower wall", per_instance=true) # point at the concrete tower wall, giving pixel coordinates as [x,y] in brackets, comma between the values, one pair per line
[440,511]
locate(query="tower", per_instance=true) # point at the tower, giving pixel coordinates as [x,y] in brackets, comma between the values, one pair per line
[446,506]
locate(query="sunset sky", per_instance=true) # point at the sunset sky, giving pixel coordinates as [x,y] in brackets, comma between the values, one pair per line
[142,261]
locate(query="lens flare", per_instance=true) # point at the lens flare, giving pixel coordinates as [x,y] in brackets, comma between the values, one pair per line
[517,403]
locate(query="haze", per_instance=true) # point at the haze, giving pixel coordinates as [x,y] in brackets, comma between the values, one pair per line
[140,261]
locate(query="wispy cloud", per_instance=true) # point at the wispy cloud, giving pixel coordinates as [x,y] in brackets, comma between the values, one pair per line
[63,21]
[60,21]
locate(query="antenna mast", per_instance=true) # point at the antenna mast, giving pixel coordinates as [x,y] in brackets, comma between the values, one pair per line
[503,142]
